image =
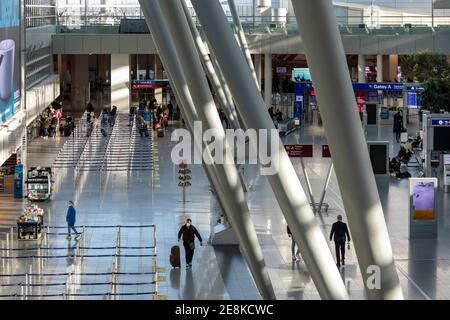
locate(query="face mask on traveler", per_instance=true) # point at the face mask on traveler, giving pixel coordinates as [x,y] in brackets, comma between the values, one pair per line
[188,224]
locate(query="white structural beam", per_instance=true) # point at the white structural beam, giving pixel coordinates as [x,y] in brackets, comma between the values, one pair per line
[285,183]
[242,39]
[197,104]
[257,65]
[268,73]
[226,104]
[336,100]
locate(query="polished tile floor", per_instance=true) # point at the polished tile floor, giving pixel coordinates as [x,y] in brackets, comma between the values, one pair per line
[153,197]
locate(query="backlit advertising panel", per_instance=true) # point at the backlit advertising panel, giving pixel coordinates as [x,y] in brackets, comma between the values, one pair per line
[9,58]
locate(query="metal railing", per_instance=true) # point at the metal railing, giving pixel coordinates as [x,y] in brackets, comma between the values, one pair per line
[385,24]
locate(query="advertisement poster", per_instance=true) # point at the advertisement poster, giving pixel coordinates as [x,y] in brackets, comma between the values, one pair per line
[423,202]
[9,58]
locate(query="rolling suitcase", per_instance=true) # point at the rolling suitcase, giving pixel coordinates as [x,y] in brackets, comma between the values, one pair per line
[103,132]
[175,257]
[160,132]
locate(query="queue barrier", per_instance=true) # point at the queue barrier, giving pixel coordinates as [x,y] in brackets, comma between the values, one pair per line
[147,283]
[85,256]
[77,294]
[26,286]
[78,274]
[83,248]
[88,227]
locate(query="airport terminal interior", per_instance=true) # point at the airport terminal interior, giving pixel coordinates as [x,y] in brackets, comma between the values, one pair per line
[95,96]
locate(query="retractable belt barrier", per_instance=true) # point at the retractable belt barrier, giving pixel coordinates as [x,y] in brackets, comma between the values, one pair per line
[83,248]
[78,274]
[25,283]
[146,283]
[85,256]
[77,294]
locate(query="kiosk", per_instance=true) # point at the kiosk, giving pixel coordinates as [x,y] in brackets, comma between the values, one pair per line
[422,208]
[447,173]
[436,145]
[379,157]
[39,184]
[29,224]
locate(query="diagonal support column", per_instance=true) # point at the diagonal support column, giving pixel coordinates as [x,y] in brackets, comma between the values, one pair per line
[326,59]
[228,107]
[224,177]
[285,183]
[242,39]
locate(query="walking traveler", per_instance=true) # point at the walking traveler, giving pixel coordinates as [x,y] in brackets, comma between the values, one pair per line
[295,254]
[339,230]
[71,218]
[46,127]
[189,232]
[112,116]
[398,125]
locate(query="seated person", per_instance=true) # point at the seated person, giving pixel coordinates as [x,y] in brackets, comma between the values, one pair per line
[279,116]
[394,165]
[417,143]
[405,152]
[398,168]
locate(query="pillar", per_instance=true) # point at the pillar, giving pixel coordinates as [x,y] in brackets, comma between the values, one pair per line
[226,104]
[268,74]
[361,68]
[284,182]
[257,65]
[80,94]
[326,58]
[120,78]
[379,68]
[167,22]
[393,67]
[241,38]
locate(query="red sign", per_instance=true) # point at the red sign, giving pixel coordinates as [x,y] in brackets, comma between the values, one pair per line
[144,86]
[326,151]
[299,150]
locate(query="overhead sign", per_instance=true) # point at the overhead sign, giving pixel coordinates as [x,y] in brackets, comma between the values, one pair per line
[281,70]
[373,86]
[149,84]
[301,74]
[440,122]
[299,150]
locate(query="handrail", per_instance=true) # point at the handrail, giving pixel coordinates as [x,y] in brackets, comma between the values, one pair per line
[108,145]
[132,136]
[95,125]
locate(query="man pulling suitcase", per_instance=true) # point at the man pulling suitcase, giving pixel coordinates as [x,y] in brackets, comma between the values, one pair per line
[189,232]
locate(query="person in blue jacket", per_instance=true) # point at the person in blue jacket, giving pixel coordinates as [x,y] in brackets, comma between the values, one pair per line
[70,218]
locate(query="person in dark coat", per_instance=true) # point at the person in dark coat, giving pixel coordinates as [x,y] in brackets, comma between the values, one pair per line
[71,218]
[398,125]
[170,108]
[112,116]
[339,230]
[90,107]
[189,232]
[295,255]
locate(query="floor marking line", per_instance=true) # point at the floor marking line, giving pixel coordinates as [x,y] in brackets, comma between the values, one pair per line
[413,282]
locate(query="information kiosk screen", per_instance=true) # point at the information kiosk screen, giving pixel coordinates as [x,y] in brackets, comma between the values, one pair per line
[371,110]
[378,158]
[441,139]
